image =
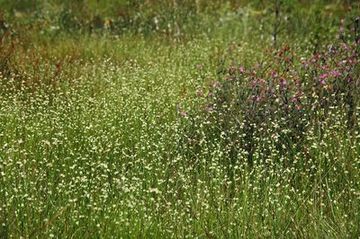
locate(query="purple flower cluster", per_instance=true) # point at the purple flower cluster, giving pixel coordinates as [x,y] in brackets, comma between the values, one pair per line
[287,91]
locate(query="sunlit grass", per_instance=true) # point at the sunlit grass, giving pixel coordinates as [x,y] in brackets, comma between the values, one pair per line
[134,136]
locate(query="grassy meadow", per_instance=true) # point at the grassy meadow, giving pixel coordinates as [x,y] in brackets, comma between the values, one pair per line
[179,119]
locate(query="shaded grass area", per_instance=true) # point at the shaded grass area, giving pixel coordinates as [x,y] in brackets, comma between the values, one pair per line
[133,135]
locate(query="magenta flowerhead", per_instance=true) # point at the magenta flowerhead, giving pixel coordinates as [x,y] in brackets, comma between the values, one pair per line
[283,83]
[323,78]
[335,73]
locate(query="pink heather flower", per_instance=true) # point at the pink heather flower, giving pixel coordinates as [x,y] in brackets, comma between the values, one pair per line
[324,67]
[183,113]
[349,79]
[335,73]
[324,76]
[241,69]
[283,83]
[294,99]
[256,98]
[314,59]
[345,46]
[262,81]
[274,74]
[254,83]
[352,61]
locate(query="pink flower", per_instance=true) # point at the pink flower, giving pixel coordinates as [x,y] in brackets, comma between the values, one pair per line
[324,67]
[256,98]
[283,83]
[274,74]
[335,73]
[294,99]
[241,69]
[324,76]
[349,79]
[254,83]
[345,46]
[183,113]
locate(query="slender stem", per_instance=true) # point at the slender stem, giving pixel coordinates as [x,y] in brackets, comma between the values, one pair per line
[277,22]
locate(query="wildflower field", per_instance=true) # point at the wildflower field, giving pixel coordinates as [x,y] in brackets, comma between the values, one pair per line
[179,119]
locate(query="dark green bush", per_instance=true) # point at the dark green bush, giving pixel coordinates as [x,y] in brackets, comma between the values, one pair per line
[275,104]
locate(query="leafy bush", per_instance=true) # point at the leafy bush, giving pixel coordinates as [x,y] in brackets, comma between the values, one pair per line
[276,103]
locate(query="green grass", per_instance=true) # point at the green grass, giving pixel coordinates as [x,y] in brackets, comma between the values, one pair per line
[104,135]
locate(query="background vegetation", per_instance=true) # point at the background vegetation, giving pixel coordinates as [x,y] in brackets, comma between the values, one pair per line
[193,118]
